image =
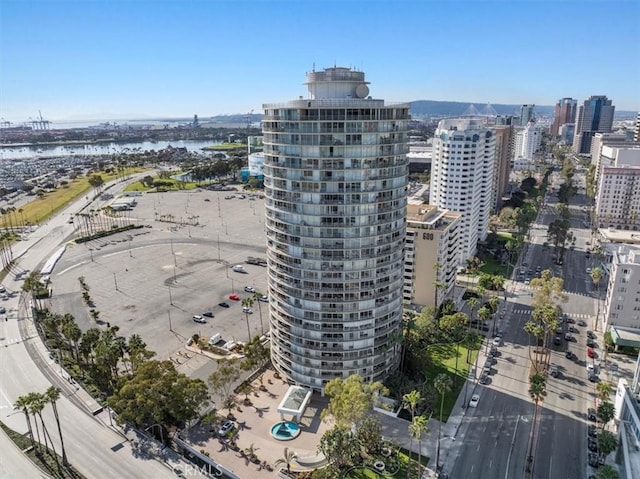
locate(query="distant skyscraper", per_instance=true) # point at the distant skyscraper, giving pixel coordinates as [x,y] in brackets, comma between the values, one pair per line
[594,116]
[528,140]
[463,175]
[335,184]
[565,113]
[526,114]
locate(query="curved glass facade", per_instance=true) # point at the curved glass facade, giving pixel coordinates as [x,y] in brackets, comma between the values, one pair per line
[335,178]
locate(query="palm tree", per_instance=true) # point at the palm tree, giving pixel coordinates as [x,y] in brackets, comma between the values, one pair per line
[596,276]
[256,297]
[537,391]
[418,427]
[247,303]
[286,459]
[604,390]
[22,403]
[410,401]
[443,384]
[52,395]
[607,472]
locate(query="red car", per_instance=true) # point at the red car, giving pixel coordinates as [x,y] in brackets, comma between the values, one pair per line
[590,352]
[234,297]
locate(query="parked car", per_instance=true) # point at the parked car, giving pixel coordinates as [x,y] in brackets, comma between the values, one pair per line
[581,323]
[250,289]
[594,460]
[591,334]
[568,337]
[199,319]
[555,372]
[3,310]
[569,355]
[590,353]
[234,297]
[497,341]
[247,310]
[239,269]
[591,343]
[573,329]
[208,314]
[592,430]
[224,304]
[591,414]
[592,445]
[225,428]
[475,399]
[484,378]
[557,340]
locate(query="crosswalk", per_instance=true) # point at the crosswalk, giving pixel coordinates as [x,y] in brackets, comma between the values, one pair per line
[571,315]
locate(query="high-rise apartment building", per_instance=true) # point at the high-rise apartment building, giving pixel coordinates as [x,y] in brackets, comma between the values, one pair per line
[504,155]
[594,116]
[431,254]
[527,114]
[565,113]
[462,177]
[335,185]
[618,198]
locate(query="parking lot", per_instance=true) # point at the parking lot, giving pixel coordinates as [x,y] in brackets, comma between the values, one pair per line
[151,281]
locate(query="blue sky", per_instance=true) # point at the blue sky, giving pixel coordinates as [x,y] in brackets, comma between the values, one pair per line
[98,59]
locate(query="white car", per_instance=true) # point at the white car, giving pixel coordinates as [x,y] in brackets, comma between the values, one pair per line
[264,298]
[475,399]
[250,289]
[239,269]
[497,341]
[247,310]
[199,319]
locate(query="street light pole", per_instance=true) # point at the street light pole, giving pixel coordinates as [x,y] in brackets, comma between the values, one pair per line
[115,281]
[170,298]
[169,313]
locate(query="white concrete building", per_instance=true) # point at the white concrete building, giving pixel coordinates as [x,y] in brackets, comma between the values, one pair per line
[528,141]
[622,303]
[462,177]
[335,185]
[432,239]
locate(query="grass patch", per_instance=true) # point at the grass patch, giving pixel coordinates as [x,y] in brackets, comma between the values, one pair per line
[492,266]
[443,360]
[41,209]
[168,184]
[44,461]
[225,147]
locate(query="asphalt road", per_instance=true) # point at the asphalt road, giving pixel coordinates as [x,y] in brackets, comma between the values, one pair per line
[496,435]
[95,449]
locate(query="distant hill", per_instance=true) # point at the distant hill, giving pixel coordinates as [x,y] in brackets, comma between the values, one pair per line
[430,109]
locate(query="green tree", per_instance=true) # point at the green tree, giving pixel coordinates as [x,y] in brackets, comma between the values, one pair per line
[256,298]
[52,395]
[339,447]
[607,471]
[158,393]
[596,277]
[351,400]
[607,443]
[96,181]
[442,384]
[606,412]
[537,391]
[369,434]
[22,403]
[410,401]
[222,379]
[137,352]
[246,305]
[418,428]
[256,354]
[604,390]
[286,459]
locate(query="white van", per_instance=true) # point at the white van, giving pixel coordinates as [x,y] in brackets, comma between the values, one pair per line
[239,269]
[214,339]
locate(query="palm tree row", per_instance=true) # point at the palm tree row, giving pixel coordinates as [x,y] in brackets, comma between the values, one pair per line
[32,406]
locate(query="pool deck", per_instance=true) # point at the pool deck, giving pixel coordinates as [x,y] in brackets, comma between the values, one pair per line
[254,427]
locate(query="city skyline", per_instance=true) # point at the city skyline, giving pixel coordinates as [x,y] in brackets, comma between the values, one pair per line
[138,59]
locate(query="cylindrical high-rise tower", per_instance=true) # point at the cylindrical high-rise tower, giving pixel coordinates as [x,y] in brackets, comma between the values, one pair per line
[335,176]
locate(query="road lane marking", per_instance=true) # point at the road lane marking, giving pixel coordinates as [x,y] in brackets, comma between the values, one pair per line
[513,441]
